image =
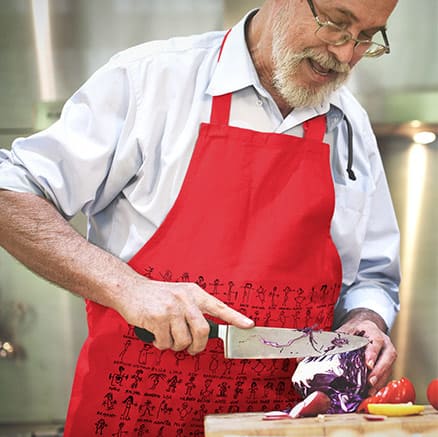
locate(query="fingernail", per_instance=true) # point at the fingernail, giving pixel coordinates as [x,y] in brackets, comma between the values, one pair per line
[248,322]
[370,364]
[373,380]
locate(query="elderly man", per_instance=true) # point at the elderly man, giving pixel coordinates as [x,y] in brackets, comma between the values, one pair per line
[228,174]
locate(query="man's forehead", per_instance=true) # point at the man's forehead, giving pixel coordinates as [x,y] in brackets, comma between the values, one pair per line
[359,10]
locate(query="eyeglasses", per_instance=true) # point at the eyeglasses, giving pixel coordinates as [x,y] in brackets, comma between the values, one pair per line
[336,35]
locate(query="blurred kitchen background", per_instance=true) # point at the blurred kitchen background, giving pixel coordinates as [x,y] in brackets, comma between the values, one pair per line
[48,48]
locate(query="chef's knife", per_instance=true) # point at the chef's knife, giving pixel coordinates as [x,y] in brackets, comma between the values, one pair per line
[264,342]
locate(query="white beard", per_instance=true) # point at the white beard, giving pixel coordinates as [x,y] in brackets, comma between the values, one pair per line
[286,66]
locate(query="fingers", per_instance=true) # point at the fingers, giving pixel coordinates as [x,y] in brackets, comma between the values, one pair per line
[216,308]
[163,340]
[181,334]
[380,353]
[175,315]
[380,357]
[199,329]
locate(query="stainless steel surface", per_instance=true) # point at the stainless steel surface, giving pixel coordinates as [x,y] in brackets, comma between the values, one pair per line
[403,86]
[35,382]
[263,342]
[48,48]
[412,170]
[32,430]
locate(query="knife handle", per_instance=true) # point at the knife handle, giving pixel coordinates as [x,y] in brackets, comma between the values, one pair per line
[148,337]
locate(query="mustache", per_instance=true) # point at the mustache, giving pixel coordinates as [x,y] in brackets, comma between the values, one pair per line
[325,60]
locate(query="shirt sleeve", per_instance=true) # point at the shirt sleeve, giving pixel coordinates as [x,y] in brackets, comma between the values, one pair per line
[85,158]
[376,283]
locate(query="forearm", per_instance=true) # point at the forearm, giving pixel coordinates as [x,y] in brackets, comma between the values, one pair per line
[33,231]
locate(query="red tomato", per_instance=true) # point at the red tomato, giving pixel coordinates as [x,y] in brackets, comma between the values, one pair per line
[432,393]
[398,392]
[395,392]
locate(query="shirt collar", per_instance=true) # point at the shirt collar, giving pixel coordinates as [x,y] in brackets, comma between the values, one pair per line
[236,71]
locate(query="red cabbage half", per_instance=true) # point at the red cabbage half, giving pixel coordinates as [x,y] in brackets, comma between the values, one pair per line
[342,377]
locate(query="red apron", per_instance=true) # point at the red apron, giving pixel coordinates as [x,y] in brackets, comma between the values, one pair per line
[251,225]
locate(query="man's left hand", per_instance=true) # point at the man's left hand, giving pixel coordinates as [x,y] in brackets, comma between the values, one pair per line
[380,353]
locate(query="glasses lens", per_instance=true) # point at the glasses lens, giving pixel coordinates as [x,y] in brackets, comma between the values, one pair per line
[377,47]
[334,35]
[374,50]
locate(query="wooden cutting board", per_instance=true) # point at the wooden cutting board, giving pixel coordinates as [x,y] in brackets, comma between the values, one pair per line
[337,425]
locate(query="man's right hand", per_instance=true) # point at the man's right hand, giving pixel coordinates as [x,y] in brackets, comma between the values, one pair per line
[174,313]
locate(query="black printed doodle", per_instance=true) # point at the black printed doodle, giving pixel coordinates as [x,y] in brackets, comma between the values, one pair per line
[147,387]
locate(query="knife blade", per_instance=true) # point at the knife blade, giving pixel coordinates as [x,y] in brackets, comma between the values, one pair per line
[265,342]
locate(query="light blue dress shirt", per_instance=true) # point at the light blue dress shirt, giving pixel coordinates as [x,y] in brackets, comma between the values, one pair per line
[122,146]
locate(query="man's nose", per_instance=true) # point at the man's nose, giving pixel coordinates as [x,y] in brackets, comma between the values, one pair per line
[344,53]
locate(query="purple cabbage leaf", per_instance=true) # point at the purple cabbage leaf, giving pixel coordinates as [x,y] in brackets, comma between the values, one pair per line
[342,377]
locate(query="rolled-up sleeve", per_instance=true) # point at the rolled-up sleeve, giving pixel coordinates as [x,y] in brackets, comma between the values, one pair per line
[85,158]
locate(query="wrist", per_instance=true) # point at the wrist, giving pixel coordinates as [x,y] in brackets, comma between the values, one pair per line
[358,315]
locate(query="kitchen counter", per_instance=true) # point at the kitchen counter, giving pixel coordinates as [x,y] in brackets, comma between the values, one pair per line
[338,425]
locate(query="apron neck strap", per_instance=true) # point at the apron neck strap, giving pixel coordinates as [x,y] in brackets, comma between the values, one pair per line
[314,128]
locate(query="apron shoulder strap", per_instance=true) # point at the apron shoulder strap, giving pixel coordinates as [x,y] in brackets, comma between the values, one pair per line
[314,128]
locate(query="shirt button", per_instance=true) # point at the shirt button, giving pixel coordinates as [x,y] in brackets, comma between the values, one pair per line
[259,102]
